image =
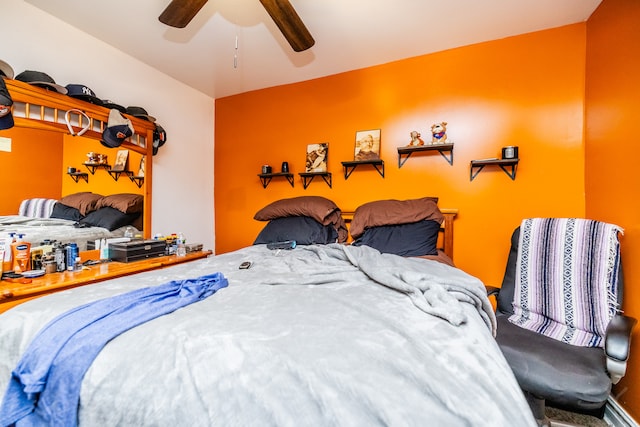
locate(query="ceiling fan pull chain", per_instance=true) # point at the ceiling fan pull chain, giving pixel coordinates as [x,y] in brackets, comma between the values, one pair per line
[235,55]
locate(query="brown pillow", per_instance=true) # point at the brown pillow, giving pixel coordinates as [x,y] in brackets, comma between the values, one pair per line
[392,212]
[85,202]
[124,202]
[319,208]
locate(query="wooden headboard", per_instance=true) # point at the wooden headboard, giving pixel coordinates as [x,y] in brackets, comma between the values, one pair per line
[445,242]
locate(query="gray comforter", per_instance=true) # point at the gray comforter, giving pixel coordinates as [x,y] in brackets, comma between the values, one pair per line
[318,336]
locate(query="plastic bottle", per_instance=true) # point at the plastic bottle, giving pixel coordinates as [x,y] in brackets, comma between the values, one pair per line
[104,250]
[8,257]
[181,249]
[21,254]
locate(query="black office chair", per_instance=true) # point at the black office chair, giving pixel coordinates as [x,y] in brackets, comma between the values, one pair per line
[549,371]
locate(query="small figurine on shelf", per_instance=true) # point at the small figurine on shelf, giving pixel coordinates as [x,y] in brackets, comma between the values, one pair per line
[439,133]
[415,139]
[92,158]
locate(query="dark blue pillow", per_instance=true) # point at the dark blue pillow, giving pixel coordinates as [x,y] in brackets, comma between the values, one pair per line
[109,218]
[62,211]
[413,239]
[303,229]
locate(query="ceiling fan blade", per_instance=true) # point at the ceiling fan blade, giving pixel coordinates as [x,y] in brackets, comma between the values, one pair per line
[180,12]
[289,23]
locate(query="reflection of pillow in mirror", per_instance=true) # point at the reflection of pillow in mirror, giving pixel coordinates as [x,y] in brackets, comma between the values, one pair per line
[37,208]
[415,239]
[63,211]
[304,230]
[124,202]
[109,218]
[391,212]
[85,202]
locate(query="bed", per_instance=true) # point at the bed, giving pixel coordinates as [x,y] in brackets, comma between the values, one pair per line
[81,218]
[325,334]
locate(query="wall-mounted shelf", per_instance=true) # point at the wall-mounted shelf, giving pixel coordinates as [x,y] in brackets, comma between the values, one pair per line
[116,174]
[266,178]
[77,176]
[478,165]
[349,167]
[138,180]
[92,167]
[307,177]
[441,148]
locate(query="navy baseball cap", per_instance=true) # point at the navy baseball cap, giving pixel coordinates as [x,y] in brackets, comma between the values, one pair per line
[118,129]
[6,118]
[83,92]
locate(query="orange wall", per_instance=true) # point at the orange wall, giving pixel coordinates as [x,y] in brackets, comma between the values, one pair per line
[526,91]
[26,171]
[613,193]
[37,165]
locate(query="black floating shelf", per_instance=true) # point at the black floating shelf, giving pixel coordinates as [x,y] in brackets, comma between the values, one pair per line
[92,167]
[77,176]
[441,148]
[478,165]
[266,178]
[116,174]
[307,177]
[349,167]
[138,180]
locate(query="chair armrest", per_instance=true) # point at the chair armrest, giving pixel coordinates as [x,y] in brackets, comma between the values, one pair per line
[617,344]
[618,337]
[492,290]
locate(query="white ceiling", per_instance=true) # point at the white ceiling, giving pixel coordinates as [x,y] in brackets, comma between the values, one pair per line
[349,34]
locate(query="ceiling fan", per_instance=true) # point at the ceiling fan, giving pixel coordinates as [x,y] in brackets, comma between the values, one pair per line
[180,12]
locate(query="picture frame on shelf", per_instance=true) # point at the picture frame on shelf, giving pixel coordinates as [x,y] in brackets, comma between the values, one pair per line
[141,167]
[120,163]
[367,145]
[317,155]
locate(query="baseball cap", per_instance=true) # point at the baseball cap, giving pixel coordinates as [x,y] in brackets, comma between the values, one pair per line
[107,103]
[159,138]
[6,118]
[140,113]
[118,129]
[82,92]
[40,79]
[6,70]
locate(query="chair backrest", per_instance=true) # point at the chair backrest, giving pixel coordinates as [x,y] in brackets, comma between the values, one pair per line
[505,297]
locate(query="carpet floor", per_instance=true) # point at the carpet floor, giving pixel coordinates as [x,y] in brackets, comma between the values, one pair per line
[571,417]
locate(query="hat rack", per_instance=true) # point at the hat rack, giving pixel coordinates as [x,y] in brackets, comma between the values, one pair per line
[38,108]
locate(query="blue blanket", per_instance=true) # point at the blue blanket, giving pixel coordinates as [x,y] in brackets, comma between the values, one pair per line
[45,386]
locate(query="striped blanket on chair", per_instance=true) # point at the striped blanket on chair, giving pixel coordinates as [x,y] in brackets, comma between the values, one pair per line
[567,279]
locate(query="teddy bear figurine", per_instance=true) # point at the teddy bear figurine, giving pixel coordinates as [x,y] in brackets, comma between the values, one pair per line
[415,139]
[439,133]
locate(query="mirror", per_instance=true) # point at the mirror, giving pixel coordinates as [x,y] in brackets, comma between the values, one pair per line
[38,151]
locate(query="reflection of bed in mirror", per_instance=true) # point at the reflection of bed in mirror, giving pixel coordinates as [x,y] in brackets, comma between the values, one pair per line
[79,218]
[41,147]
